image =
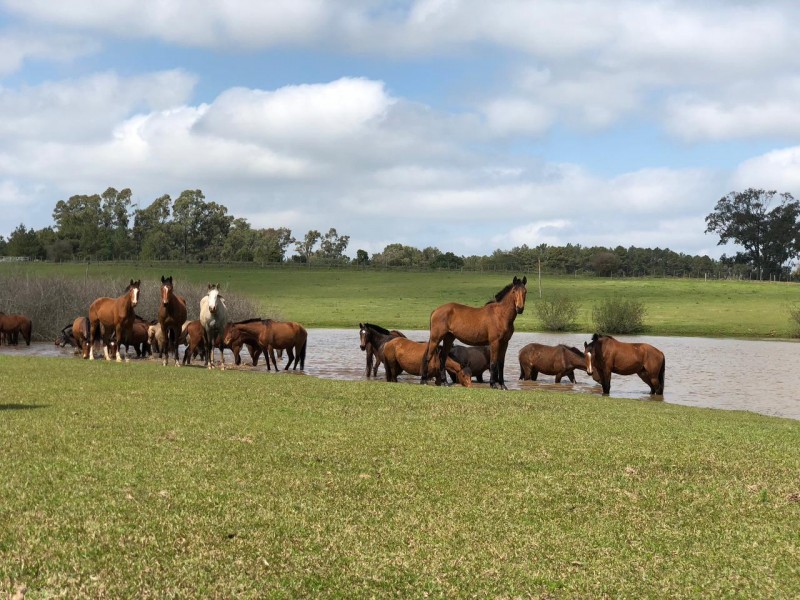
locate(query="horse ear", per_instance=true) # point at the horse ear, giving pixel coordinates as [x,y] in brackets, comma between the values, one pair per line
[524,280]
[162,279]
[131,283]
[209,287]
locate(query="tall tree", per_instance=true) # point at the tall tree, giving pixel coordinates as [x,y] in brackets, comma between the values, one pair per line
[332,245]
[79,219]
[305,247]
[745,218]
[24,242]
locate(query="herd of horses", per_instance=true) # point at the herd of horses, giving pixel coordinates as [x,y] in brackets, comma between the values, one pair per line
[485,332]
[113,323]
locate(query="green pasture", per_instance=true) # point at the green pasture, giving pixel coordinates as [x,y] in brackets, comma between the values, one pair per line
[341,298]
[142,481]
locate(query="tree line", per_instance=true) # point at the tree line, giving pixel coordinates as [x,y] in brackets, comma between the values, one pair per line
[192,229]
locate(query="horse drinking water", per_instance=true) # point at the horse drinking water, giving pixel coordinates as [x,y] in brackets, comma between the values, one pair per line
[491,324]
[114,315]
[171,317]
[213,317]
[371,340]
[606,355]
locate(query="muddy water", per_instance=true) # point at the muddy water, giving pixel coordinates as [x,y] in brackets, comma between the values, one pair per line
[757,376]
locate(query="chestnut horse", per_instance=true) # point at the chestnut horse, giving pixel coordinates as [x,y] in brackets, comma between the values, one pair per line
[12,325]
[372,338]
[171,317]
[213,316]
[401,354]
[289,336]
[558,360]
[606,355]
[114,315]
[195,336]
[492,325]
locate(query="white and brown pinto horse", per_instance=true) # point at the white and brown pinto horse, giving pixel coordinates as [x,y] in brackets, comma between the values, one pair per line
[114,315]
[213,317]
[171,317]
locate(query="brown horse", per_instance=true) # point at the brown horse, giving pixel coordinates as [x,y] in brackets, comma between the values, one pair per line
[80,331]
[289,336]
[492,325]
[13,325]
[195,335]
[171,317]
[114,315]
[606,355]
[401,354]
[371,340]
[244,333]
[558,360]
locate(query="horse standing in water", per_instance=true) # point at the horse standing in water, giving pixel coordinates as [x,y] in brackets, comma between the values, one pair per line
[372,338]
[606,355]
[171,317]
[114,315]
[213,317]
[491,324]
[558,360]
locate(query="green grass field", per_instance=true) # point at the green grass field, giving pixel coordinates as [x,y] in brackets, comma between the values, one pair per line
[139,481]
[343,298]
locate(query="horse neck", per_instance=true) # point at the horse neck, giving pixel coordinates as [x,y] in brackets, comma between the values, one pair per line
[506,305]
[125,303]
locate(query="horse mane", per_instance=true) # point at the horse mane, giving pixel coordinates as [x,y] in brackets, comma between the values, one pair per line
[501,294]
[573,349]
[377,328]
[253,320]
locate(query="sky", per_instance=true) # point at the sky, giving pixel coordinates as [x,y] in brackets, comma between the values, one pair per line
[466,125]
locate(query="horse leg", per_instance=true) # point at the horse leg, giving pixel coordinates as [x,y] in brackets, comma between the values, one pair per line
[605,381]
[571,375]
[92,332]
[272,356]
[370,354]
[651,381]
[499,352]
[447,345]
[291,355]
[433,343]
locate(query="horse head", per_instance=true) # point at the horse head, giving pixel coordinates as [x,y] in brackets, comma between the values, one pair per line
[590,349]
[133,291]
[213,296]
[362,334]
[166,289]
[520,292]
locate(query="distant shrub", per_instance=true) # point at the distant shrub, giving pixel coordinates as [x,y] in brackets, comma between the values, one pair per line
[619,315]
[794,316]
[53,302]
[558,313]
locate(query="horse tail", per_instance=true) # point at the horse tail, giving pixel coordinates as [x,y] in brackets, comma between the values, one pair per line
[661,374]
[302,355]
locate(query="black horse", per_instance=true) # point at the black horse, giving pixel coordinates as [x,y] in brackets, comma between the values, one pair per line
[476,358]
[372,338]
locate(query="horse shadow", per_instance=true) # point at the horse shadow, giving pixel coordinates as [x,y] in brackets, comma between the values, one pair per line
[22,406]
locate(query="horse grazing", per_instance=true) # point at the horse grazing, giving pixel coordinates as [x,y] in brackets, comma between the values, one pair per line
[114,315]
[401,354]
[475,358]
[558,360]
[213,317]
[244,333]
[491,324]
[288,336]
[171,317]
[13,325]
[371,339]
[606,355]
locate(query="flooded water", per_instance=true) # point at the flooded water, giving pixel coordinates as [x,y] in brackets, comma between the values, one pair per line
[756,376]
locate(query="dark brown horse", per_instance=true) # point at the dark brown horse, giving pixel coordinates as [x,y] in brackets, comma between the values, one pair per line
[114,315]
[289,336]
[606,355]
[401,354]
[171,317]
[491,324]
[11,326]
[558,360]
[475,358]
[371,339]
[244,333]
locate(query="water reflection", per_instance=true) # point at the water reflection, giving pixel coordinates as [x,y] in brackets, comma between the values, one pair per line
[756,376]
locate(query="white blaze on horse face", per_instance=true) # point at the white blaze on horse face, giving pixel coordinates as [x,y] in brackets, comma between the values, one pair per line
[164,295]
[135,296]
[589,363]
[212,300]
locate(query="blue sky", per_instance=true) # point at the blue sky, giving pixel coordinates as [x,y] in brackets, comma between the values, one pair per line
[461,124]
